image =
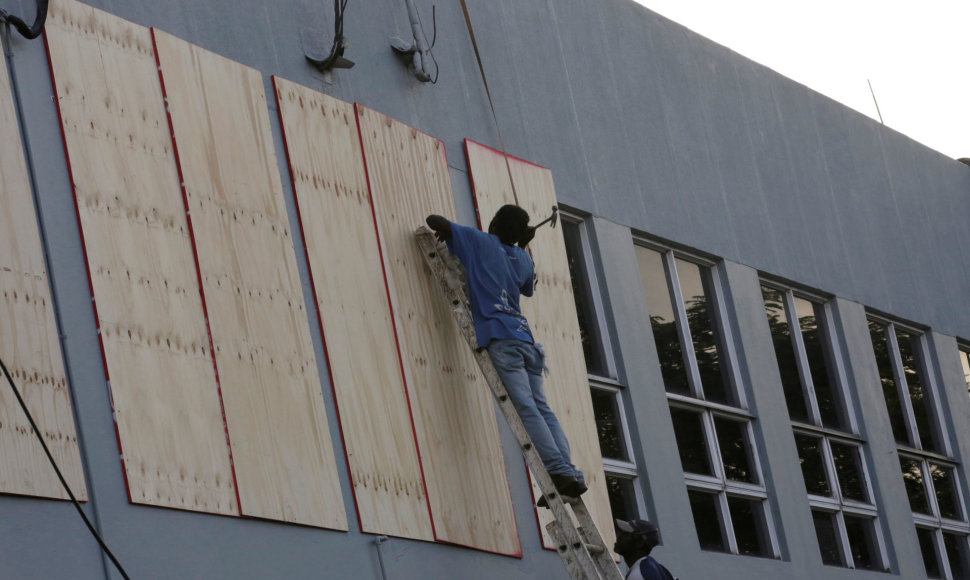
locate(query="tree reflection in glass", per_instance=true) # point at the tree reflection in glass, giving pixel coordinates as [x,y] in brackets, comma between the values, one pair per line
[956,554]
[848,468]
[732,438]
[704,331]
[862,541]
[915,488]
[653,277]
[785,353]
[691,442]
[707,522]
[927,546]
[820,364]
[828,544]
[607,413]
[908,349]
[749,526]
[946,494]
[813,465]
[880,347]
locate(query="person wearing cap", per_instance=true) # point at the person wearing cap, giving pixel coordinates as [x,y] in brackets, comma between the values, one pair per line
[634,541]
[499,271]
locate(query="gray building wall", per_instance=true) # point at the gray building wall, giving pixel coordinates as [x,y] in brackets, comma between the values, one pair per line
[648,128]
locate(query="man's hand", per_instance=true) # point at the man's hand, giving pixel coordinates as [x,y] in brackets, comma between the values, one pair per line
[527,235]
[440,225]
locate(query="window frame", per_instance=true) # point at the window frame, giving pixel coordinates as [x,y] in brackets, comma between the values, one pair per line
[719,485]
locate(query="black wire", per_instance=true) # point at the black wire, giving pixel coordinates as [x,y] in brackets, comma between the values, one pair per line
[28,32]
[60,475]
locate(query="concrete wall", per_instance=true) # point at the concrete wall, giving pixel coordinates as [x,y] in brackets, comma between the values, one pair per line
[647,127]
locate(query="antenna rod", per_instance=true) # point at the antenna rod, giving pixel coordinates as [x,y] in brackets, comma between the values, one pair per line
[875,101]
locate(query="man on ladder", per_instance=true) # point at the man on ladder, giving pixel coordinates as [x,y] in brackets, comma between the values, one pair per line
[498,271]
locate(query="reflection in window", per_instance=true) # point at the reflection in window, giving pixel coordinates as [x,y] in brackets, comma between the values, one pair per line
[965,363]
[848,468]
[691,441]
[813,464]
[747,518]
[695,289]
[946,493]
[606,409]
[732,437]
[927,545]
[672,363]
[810,318]
[908,349]
[707,522]
[915,490]
[582,294]
[827,533]
[880,346]
[956,554]
[785,353]
[862,542]
[623,500]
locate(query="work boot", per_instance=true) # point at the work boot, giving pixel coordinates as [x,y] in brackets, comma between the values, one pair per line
[566,485]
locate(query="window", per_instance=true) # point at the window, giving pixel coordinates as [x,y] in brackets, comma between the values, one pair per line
[965,362]
[611,424]
[929,473]
[713,429]
[831,456]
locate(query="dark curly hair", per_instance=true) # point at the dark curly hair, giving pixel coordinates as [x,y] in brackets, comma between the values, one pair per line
[509,224]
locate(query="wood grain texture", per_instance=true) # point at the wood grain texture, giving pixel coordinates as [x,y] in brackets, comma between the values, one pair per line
[327,167]
[551,314]
[454,415]
[29,344]
[150,315]
[282,452]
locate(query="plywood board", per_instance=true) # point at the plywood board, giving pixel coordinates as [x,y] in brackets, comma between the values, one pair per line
[551,314]
[327,168]
[146,292]
[453,411]
[29,344]
[282,452]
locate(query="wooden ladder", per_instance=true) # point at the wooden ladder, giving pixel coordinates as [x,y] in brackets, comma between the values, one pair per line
[581,546]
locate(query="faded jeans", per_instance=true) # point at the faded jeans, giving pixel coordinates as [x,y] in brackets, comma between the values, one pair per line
[520,365]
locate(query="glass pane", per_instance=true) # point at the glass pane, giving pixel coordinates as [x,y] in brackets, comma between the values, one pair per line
[609,425]
[956,554]
[848,468]
[946,493]
[691,441]
[965,361]
[623,498]
[791,382]
[818,351]
[660,307]
[908,352]
[588,330]
[862,542]
[828,538]
[749,526]
[703,506]
[732,439]
[880,346]
[927,545]
[695,286]
[813,464]
[915,489]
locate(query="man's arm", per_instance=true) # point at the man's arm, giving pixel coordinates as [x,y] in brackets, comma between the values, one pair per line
[440,225]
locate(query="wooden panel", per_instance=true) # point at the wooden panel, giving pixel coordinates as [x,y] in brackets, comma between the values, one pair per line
[150,314]
[551,313]
[454,414]
[29,345]
[282,452]
[327,167]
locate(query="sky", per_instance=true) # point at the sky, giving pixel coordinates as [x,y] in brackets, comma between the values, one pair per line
[914,54]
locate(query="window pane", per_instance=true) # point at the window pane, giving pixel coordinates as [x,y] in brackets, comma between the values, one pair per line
[915,489]
[791,382]
[623,498]
[956,554]
[609,425]
[588,330]
[946,493]
[732,439]
[704,508]
[862,542]
[965,361]
[695,286]
[691,441]
[848,468]
[749,526]
[880,346]
[813,464]
[820,363]
[659,305]
[828,538]
[908,352]
[927,544]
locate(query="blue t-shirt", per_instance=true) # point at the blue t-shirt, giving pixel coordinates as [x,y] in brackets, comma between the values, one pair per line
[497,275]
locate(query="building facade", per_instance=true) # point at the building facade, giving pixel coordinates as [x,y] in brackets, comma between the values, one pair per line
[708,204]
